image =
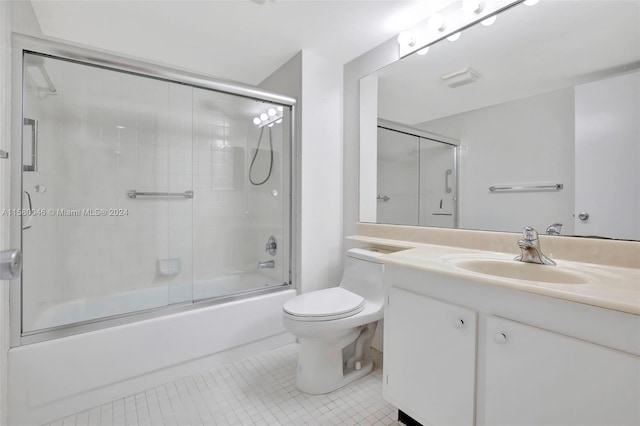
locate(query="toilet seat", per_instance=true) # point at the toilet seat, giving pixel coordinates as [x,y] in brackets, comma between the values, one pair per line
[324,305]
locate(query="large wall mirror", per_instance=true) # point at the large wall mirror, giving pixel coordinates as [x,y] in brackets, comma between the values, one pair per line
[533,120]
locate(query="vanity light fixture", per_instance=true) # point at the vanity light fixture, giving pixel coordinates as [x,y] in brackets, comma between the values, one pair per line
[423,51]
[270,117]
[406,39]
[448,22]
[437,22]
[489,21]
[473,6]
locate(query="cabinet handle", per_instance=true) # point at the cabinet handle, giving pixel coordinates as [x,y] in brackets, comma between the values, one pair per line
[500,338]
[458,323]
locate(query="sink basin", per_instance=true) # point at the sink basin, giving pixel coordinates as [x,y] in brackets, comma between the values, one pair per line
[521,271]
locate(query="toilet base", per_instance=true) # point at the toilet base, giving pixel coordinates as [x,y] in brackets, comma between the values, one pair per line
[321,368]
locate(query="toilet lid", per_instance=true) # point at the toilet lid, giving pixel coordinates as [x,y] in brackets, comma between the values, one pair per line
[333,302]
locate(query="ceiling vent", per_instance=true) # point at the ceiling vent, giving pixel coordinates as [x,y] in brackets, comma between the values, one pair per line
[460,78]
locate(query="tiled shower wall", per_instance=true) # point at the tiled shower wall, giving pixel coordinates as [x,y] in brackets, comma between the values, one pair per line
[104,133]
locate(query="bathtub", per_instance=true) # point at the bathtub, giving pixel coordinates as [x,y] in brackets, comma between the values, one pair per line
[55,378]
[89,309]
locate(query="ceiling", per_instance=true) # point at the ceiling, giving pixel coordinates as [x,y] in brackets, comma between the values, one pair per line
[528,51]
[240,40]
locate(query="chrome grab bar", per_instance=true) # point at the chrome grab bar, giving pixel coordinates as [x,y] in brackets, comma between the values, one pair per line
[551,187]
[135,194]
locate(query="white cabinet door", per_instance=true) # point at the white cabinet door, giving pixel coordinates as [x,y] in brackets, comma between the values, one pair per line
[536,377]
[429,365]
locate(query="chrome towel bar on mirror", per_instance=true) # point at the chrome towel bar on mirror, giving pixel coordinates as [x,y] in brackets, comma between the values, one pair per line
[135,194]
[546,187]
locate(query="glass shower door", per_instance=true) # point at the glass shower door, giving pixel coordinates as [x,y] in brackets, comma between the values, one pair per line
[241,176]
[93,145]
[398,177]
[437,184]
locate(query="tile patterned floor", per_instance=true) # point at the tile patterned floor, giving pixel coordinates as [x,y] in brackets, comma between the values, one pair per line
[259,390]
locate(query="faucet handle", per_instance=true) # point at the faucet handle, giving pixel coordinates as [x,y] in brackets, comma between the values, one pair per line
[529,233]
[554,229]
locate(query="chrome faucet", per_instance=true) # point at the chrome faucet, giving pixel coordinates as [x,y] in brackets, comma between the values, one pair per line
[554,229]
[269,264]
[530,247]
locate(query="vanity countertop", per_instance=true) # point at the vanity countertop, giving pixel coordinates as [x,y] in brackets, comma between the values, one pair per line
[605,286]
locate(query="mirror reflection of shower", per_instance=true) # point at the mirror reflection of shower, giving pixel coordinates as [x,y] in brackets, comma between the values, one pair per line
[267,119]
[416,177]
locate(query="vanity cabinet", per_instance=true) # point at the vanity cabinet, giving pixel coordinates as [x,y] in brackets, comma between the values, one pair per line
[538,377]
[430,355]
[457,351]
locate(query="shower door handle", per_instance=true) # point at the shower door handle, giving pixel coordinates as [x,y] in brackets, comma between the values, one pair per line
[447,188]
[31,154]
[10,264]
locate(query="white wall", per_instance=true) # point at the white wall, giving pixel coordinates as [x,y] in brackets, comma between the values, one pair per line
[317,84]
[14,16]
[528,141]
[368,150]
[369,62]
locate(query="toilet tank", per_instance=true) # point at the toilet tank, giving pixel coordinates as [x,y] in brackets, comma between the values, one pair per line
[363,272]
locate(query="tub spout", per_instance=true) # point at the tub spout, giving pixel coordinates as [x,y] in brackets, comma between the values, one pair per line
[269,264]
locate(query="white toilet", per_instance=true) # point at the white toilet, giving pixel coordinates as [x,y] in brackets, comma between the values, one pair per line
[335,326]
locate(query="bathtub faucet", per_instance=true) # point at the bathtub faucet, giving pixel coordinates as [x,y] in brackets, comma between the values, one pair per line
[269,264]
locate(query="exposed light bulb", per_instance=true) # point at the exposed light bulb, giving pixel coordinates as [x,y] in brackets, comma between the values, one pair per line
[472,6]
[489,21]
[531,2]
[437,22]
[271,112]
[264,116]
[279,121]
[280,108]
[256,120]
[271,125]
[406,39]
[454,37]
[423,51]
